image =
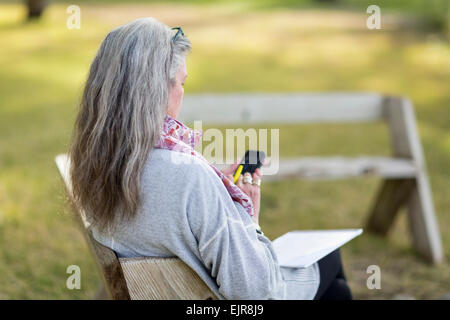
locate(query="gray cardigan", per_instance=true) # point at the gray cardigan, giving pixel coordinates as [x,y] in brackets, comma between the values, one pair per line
[187,212]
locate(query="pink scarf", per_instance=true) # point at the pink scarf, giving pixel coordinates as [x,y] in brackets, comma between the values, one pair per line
[178,137]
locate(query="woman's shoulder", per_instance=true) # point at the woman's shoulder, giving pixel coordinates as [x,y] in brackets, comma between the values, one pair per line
[167,165]
[184,183]
[175,161]
[172,157]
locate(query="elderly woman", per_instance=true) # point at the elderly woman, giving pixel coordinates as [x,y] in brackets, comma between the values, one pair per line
[143,201]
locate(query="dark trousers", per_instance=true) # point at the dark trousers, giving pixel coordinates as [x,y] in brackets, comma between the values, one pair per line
[333,284]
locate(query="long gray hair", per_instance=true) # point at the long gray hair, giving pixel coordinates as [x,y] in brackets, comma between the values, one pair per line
[121,115]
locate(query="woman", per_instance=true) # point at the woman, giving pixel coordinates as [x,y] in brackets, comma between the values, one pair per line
[143,201]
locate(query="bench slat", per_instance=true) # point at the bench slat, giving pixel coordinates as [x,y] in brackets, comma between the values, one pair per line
[163,278]
[341,167]
[251,108]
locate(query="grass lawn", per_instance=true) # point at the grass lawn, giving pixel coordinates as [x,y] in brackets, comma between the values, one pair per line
[43,66]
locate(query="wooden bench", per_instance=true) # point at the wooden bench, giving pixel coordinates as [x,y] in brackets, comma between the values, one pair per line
[137,278]
[405,181]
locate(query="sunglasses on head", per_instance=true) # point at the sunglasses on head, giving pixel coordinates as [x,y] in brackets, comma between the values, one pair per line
[180,31]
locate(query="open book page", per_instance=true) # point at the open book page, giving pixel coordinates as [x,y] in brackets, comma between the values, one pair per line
[300,249]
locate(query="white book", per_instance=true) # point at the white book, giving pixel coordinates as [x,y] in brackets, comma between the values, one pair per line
[300,249]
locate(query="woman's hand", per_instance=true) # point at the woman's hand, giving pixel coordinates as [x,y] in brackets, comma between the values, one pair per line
[229,172]
[252,190]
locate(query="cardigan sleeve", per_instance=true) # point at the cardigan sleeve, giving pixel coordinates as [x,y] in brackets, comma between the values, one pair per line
[241,260]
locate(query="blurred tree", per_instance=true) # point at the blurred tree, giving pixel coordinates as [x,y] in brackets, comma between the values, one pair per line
[437,13]
[35,8]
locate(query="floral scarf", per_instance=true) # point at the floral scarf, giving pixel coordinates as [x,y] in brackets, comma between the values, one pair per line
[178,137]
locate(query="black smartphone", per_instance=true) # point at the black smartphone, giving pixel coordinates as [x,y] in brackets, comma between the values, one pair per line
[251,161]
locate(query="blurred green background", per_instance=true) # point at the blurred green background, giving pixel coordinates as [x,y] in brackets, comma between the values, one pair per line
[238,46]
